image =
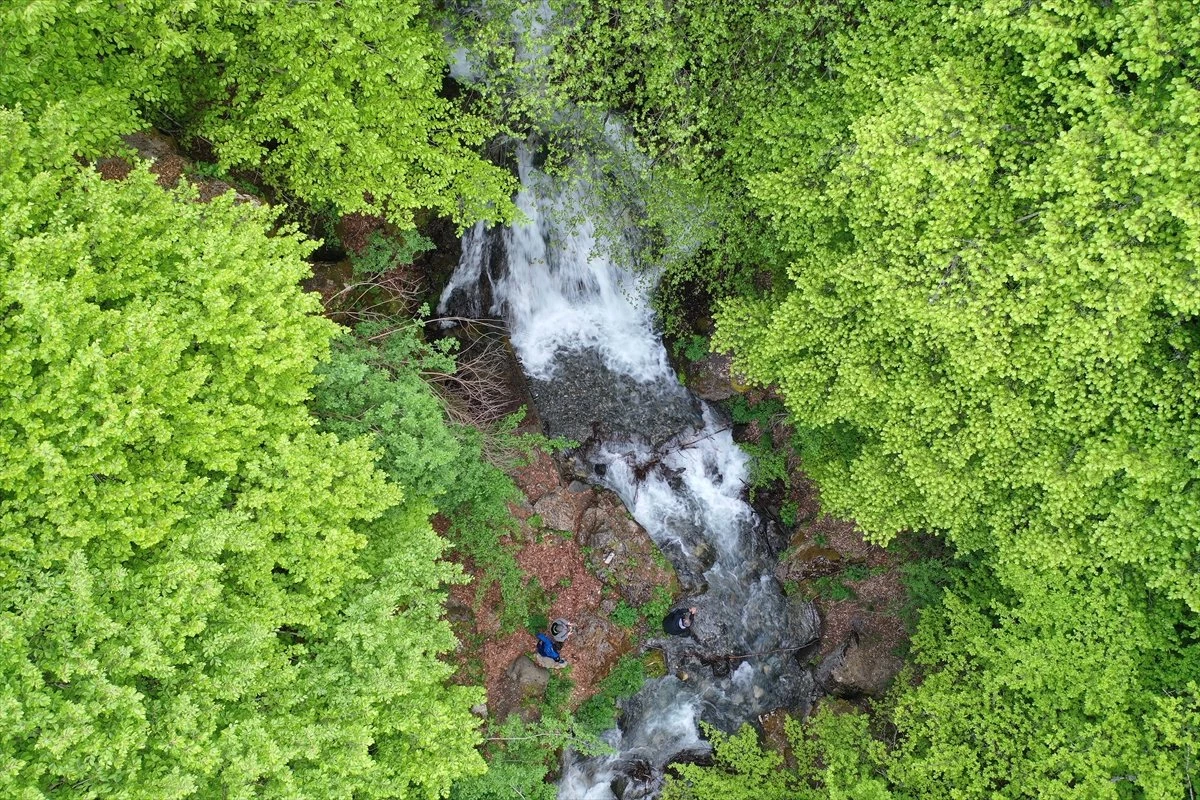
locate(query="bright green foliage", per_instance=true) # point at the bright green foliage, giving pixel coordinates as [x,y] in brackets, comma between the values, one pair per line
[379,391]
[335,102]
[202,595]
[624,615]
[520,756]
[768,463]
[383,254]
[742,771]
[974,242]
[1004,312]
[1066,688]
[658,606]
[599,713]
[834,757]
[710,91]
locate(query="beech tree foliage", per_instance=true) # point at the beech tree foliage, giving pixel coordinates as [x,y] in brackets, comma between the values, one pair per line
[203,596]
[974,243]
[338,103]
[379,390]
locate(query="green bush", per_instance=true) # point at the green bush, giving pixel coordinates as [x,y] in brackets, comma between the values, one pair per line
[205,594]
[385,253]
[658,606]
[368,129]
[624,615]
[599,713]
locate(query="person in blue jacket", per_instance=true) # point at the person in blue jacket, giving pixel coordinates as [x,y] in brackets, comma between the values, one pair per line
[548,654]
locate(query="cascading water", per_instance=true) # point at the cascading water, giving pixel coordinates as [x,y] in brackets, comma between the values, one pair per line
[585,335]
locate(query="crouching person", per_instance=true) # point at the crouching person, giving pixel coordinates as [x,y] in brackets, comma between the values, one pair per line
[547,653]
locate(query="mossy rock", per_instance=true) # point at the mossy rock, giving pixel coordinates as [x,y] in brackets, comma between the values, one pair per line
[655,664]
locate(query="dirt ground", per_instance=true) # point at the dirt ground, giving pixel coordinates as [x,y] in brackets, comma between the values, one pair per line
[557,562]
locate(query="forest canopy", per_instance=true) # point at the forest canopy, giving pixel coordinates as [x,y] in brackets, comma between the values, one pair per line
[960,240]
[334,104]
[204,594]
[963,242]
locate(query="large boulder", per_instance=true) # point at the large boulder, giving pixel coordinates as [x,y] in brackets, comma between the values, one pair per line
[862,665]
[587,400]
[621,553]
[808,561]
[563,508]
[710,377]
[523,680]
[595,647]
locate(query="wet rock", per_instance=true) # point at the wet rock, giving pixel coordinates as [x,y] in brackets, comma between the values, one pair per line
[690,567]
[622,553]
[655,664]
[638,780]
[859,667]
[586,398]
[774,535]
[330,278]
[721,667]
[563,508]
[710,377]
[804,622]
[539,478]
[473,299]
[773,726]
[810,561]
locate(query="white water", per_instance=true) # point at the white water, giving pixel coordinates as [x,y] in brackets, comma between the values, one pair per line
[564,295]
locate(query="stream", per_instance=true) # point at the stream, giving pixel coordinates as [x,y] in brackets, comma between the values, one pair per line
[583,329]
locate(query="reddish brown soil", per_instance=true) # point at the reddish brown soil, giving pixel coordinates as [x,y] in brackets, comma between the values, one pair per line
[114,169]
[559,566]
[169,169]
[873,614]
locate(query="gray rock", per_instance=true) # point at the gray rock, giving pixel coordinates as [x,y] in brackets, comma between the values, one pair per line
[857,668]
[562,509]
[710,377]
[527,676]
[522,681]
[586,398]
[622,554]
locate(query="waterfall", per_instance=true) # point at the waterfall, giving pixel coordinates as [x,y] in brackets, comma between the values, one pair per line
[582,326]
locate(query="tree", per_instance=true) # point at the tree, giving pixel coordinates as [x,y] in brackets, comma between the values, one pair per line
[974,268]
[337,103]
[203,595]
[833,756]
